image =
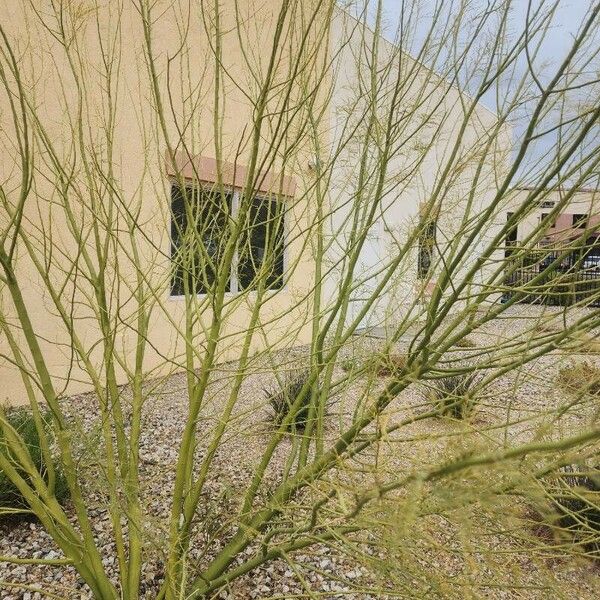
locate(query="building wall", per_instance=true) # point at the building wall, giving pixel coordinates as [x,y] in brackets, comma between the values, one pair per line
[425,98]
[76,110]
[564,202]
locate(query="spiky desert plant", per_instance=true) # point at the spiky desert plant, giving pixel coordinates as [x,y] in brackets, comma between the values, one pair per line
[382,365]
[575,493]
[348,364]
[22,422]
[455,396]
[282,399]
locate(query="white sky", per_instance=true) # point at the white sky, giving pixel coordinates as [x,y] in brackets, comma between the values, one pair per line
[558,40]
[568,17]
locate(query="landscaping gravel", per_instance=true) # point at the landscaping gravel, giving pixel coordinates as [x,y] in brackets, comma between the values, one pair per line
[522,398]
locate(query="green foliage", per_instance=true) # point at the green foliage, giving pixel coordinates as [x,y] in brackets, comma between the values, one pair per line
[282,398]
[349,364]
[575,493]
[10,497]
[581,377]
[455,396]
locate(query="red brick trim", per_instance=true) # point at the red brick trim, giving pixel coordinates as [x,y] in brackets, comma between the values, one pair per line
[204,169]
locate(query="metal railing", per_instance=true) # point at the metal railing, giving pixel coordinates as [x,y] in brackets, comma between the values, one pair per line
[554,287]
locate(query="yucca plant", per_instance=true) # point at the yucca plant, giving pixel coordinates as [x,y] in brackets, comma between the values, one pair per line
[455,396]
[575,493]
[283,396]
[11,499]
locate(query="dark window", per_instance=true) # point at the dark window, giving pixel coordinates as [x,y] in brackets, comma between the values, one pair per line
[426,248]
[511,236]
[545,216]
[580,221]
[198,237]
[199,233]
[261,248]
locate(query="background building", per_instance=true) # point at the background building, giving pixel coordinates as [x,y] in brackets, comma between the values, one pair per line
[563,231]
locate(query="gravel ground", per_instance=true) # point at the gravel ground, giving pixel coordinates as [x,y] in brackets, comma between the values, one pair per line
[524,399]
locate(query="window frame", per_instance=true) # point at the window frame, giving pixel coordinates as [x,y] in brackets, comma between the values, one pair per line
[234,287]
[284,240]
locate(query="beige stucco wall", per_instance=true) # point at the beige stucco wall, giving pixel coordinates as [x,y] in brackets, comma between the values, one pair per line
[143,181]
[140,176]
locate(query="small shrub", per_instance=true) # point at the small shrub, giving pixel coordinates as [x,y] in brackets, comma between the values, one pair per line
[454,396]
[10,497]
[575,493]
[390,366]
[383,366]
[349,364]
[465,342]
[281,399]
[580,378]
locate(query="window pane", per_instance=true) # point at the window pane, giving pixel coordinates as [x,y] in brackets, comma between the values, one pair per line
[261,246]
[198,237]
[580,221]
[426,248]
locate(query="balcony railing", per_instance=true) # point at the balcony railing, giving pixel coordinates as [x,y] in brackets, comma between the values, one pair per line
[554,286]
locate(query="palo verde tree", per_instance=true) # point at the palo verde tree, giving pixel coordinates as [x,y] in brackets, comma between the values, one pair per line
[188,185]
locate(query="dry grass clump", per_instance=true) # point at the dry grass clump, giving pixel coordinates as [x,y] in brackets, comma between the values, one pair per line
[576,342]
[591,346]
[587,345]
[391,365]
[581,377]
[387,365]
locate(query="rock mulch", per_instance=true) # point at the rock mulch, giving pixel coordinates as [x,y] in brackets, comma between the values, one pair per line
[521,399]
